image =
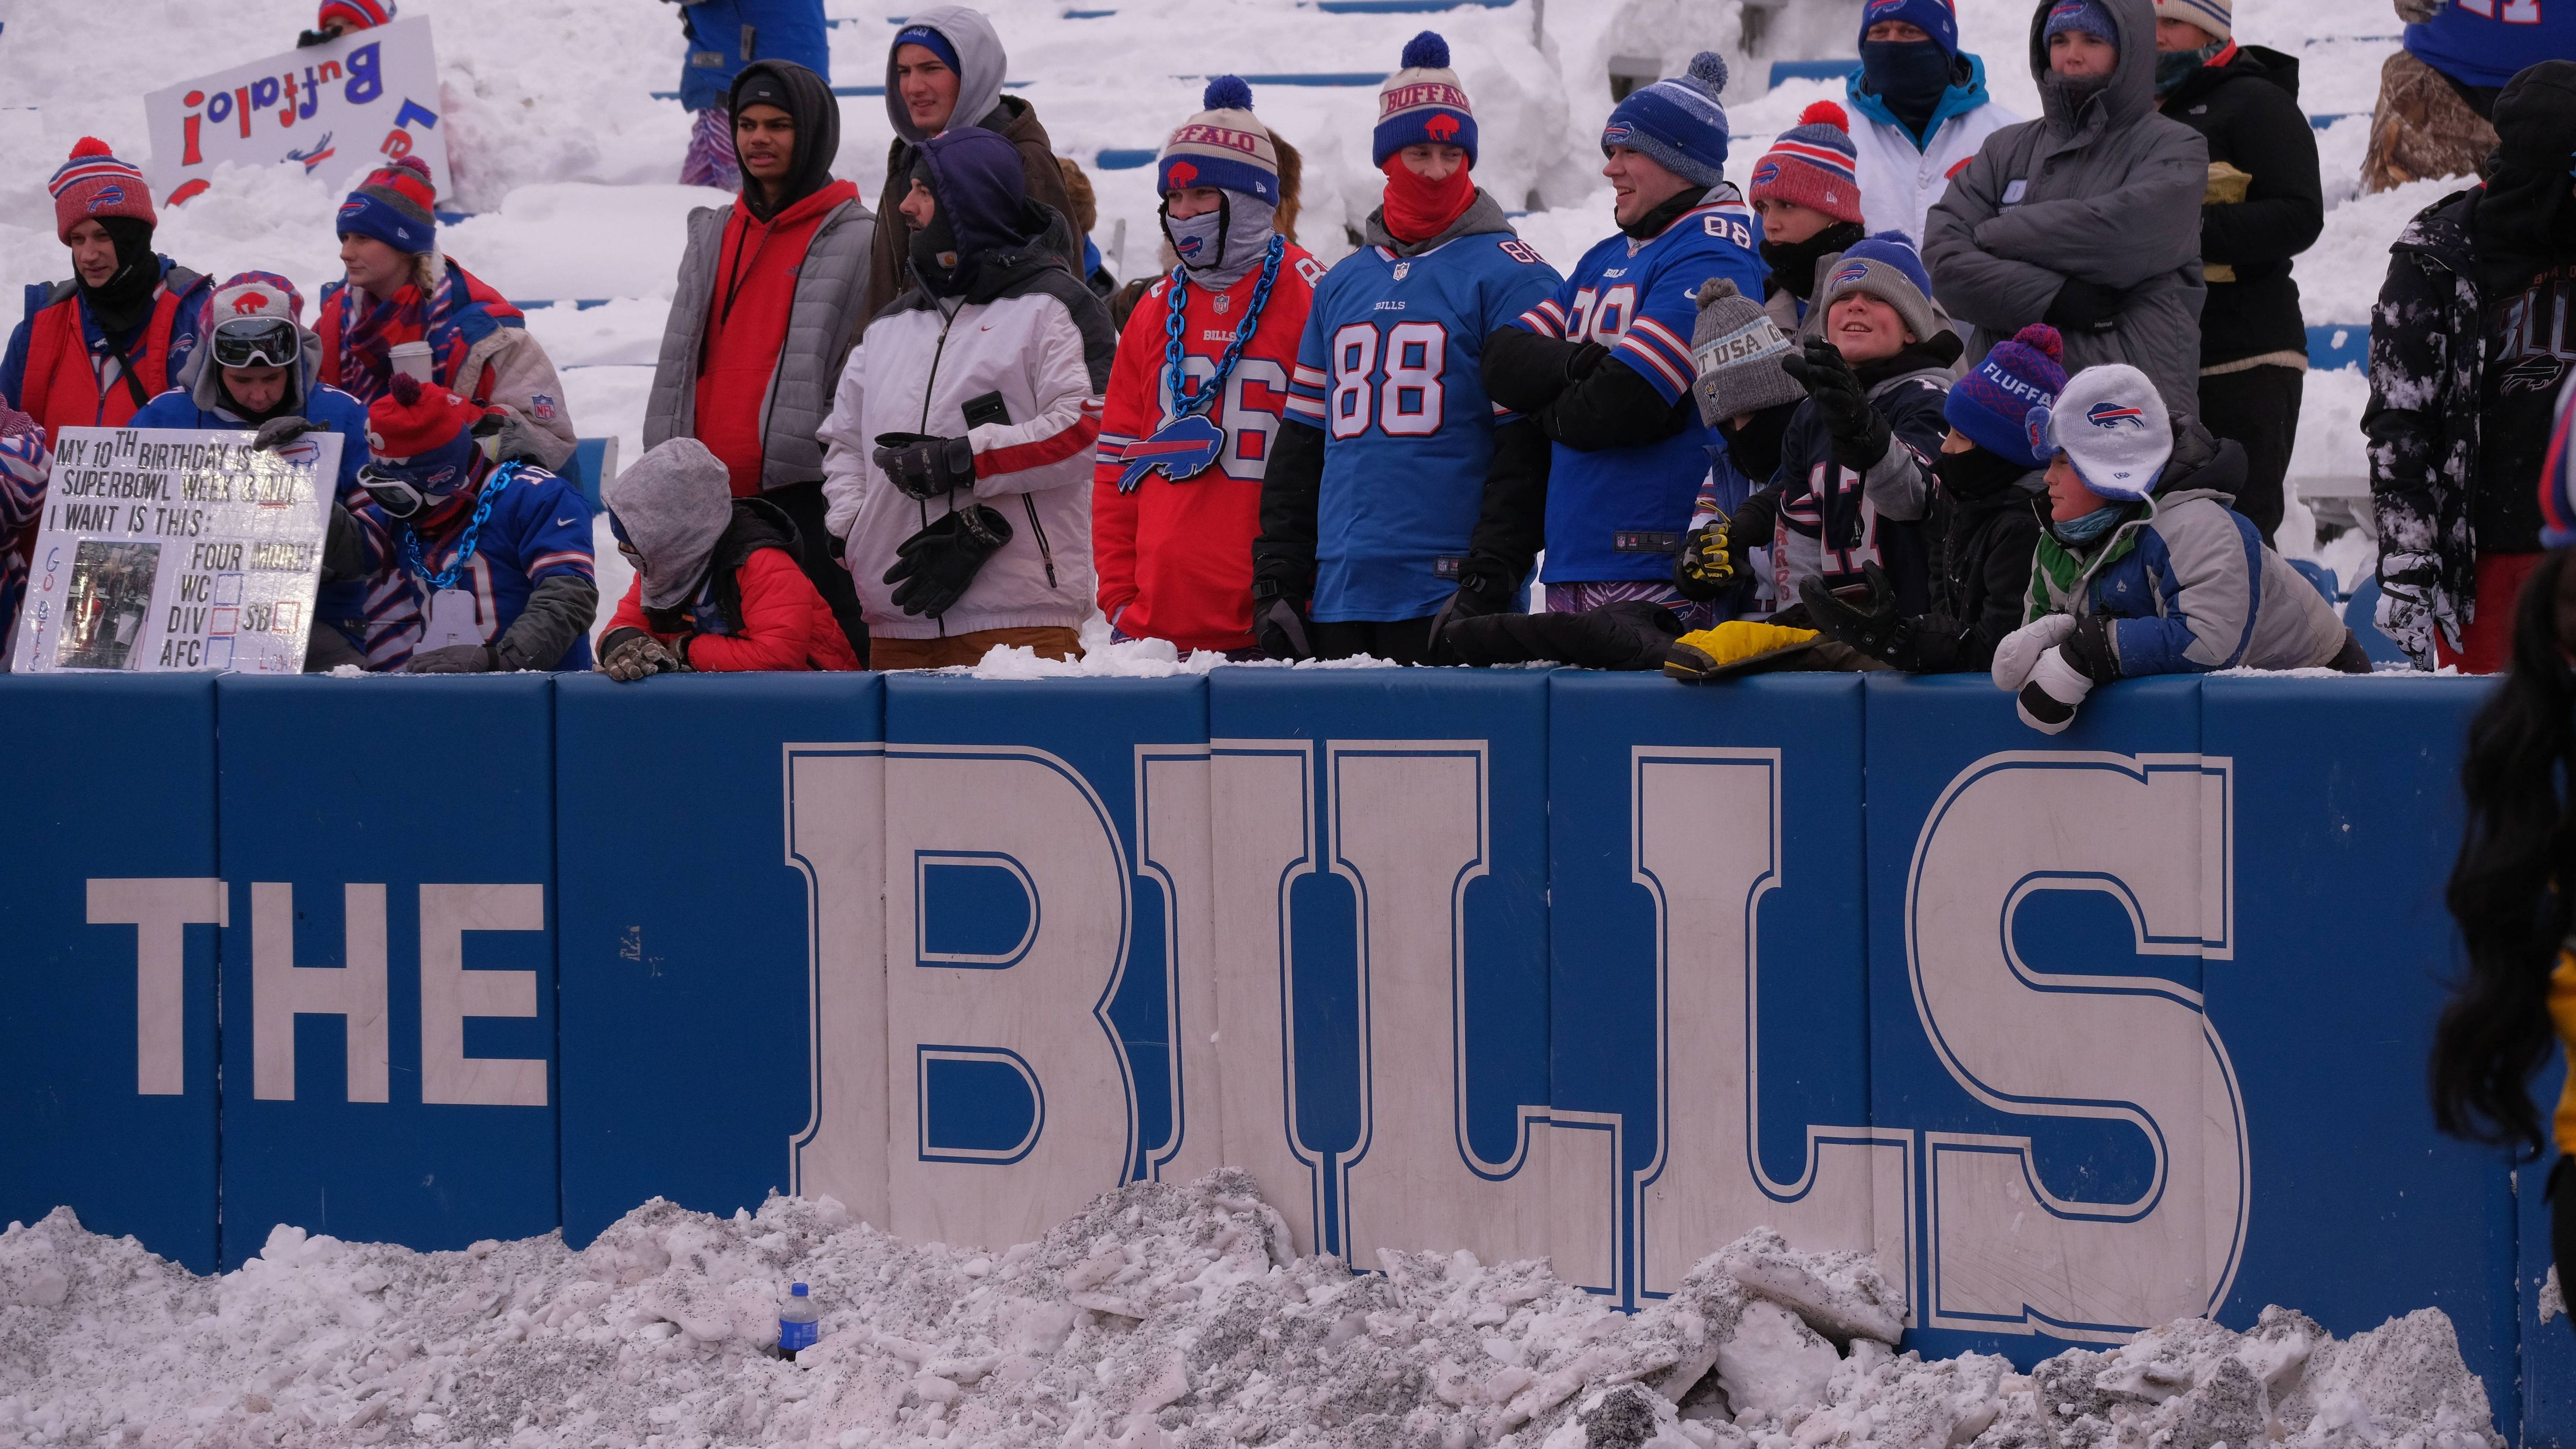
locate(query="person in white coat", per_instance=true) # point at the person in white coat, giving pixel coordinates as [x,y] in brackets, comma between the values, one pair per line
[958,457]
[1919,107]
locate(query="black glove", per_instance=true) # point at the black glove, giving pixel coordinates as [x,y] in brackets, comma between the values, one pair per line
[1278,625]
[1860,434]
[1525,372]
[1712,556]
[924,466]
[2085,307]
[306,40]
[455,659]
[934,567]
[344,549]
[278,432]
[1484,587]
[1879,631]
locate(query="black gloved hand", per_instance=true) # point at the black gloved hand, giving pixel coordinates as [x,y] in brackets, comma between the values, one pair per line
[2085,307]
[278,432]
[1710,562]
[1525,372]
[1879,631]
[631,654]
[934,567]
[924,466]
[1860,434]
[455,659]
[1484,587]
[1278,625]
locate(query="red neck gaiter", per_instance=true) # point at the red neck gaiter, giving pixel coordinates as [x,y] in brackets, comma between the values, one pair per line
[1418,210]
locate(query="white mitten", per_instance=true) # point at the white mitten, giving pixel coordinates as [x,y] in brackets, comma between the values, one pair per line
[2056,687]
[2019,652]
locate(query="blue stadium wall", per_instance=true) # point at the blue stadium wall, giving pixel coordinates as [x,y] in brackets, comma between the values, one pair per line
[2077,1035]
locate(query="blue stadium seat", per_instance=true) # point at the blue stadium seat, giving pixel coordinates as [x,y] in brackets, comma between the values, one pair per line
[1123,158]
[2331,349]
[2319,575]
[592,464]
[2359,614]
[1789,70]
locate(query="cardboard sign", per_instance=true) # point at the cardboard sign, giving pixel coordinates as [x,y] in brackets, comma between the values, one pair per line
[340,110]
[177,549]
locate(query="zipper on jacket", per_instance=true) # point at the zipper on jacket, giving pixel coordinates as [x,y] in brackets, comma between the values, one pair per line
[929,385]
[1046,555]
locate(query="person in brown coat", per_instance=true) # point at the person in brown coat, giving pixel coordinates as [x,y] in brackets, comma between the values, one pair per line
[946,67]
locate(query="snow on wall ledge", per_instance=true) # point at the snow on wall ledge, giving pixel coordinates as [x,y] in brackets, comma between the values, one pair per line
[1158,1317]
[2061,1039]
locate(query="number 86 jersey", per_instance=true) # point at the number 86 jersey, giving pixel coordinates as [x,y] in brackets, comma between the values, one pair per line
[1390,371]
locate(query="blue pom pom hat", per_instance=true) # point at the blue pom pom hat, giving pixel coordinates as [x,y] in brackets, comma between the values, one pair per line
[1423,104]
[1223,146]
[1679,122]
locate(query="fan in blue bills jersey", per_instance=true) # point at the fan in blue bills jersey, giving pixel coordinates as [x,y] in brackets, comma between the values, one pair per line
[1399,493]
[1604,364]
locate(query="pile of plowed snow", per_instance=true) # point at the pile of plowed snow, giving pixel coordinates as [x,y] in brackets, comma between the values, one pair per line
[1159,1318]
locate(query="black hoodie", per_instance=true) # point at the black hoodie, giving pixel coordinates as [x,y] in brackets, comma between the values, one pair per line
[806,98]
[2248,109]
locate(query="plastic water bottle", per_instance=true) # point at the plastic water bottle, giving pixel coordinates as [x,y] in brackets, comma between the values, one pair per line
[796,1321]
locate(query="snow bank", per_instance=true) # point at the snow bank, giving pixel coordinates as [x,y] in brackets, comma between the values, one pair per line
[1157,1318]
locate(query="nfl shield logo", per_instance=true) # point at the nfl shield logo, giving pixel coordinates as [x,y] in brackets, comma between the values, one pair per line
[1402,269]
[1224,304]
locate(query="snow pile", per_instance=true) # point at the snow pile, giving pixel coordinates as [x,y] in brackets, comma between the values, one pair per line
[1160,1317]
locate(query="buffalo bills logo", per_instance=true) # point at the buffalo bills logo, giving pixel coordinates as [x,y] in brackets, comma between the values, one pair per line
[1856,272]
[2539,373]
[1616,134]
[2035,422]
[251,300]
[107,196]
[1766,173]
[1180,176]
[302,452]
[1189,247]
[352,208]
[2109,416]
[1443,129]
[320,152]
[1180,450]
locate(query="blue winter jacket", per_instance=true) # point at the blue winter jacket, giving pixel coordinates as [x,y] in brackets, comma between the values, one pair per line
[726,35]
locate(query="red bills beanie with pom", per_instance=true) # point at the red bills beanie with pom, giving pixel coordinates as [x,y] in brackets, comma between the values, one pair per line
[95,183]
[1813,164]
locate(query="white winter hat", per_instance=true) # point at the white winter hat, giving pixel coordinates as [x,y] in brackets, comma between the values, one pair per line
[2112,426]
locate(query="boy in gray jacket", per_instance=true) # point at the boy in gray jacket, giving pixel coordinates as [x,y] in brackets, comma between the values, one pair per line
[2087,219]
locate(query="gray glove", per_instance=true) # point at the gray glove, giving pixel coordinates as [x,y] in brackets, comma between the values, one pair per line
[278,432]
[2417,12]
[454,659]
[637,655]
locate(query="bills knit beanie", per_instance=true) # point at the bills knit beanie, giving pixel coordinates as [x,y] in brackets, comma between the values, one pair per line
[95,183]
[425,432]
[929,39]
[255,294]
[1992,404]
[1678,122]
[1887,267]
[2089,16]
[1737,350]
[396,205]
[2218,17]
[1423,104]
[1224,146]
[1936,18]
[2111,424]
[355,14]
[1813,164]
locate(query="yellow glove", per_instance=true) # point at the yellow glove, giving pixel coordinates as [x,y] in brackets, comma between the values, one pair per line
[1737,640]
[2226,185]
[1709,562]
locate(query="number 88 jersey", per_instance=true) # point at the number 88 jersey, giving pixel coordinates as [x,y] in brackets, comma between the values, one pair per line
[1390,370]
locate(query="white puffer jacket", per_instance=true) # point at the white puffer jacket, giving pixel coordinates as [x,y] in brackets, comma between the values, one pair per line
[1898,182]
[1044,345]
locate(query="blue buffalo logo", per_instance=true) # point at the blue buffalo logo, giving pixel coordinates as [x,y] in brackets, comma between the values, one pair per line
[2109,416]
[1181,450]
[1856,272]
[1766,173]
[1616,134]
[1189,247]
[106,196]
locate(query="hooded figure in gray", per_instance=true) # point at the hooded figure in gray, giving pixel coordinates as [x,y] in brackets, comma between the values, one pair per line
[981,66]
[2087,219]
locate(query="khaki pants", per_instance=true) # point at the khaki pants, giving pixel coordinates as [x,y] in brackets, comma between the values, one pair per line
[968,649]
[2421,128]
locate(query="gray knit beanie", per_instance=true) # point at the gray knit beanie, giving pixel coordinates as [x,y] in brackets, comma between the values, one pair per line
[1738,350]
[671,505]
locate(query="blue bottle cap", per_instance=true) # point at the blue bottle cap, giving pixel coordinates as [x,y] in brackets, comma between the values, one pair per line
[797,1289]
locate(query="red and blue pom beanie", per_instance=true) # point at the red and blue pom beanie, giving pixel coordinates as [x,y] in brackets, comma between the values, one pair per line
[1422,104]
[396,205]
[1936,18]
[1223,146]
[355,14]
[1992,404]
[1678,122]
[1814,164]
[95,183]
[423,434]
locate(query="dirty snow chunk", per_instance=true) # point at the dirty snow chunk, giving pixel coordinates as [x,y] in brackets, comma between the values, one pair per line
[2553,1299]
[1773,1363]
[1840,1295]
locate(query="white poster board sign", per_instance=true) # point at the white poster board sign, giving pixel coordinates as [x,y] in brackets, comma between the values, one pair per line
[177,549]
[340,110]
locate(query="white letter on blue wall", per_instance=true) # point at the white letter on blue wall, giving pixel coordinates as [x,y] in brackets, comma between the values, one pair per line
[836,837]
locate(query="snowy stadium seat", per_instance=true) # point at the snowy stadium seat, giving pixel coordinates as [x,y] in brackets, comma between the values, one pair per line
[592,464]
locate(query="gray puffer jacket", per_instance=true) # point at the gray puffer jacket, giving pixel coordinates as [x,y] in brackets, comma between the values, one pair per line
[2106,192]
[822,323]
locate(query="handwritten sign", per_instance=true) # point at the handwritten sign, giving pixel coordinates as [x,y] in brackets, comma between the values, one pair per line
[177,549]
[339,110]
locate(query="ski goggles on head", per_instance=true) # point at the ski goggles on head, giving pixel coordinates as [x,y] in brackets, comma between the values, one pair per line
[257,342]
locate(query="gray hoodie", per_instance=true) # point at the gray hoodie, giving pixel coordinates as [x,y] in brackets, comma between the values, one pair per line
[981,62]
[2107,191]
[671,505]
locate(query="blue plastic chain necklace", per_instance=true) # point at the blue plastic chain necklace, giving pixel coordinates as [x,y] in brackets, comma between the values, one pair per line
[1173,323]
[446,578]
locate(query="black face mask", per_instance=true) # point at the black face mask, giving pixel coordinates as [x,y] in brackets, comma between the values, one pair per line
[936,261]
[124,300]
[1911,76]
[1977,475]
[1793,264]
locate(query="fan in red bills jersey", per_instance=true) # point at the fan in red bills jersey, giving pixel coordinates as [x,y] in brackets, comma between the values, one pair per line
[1200,385]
